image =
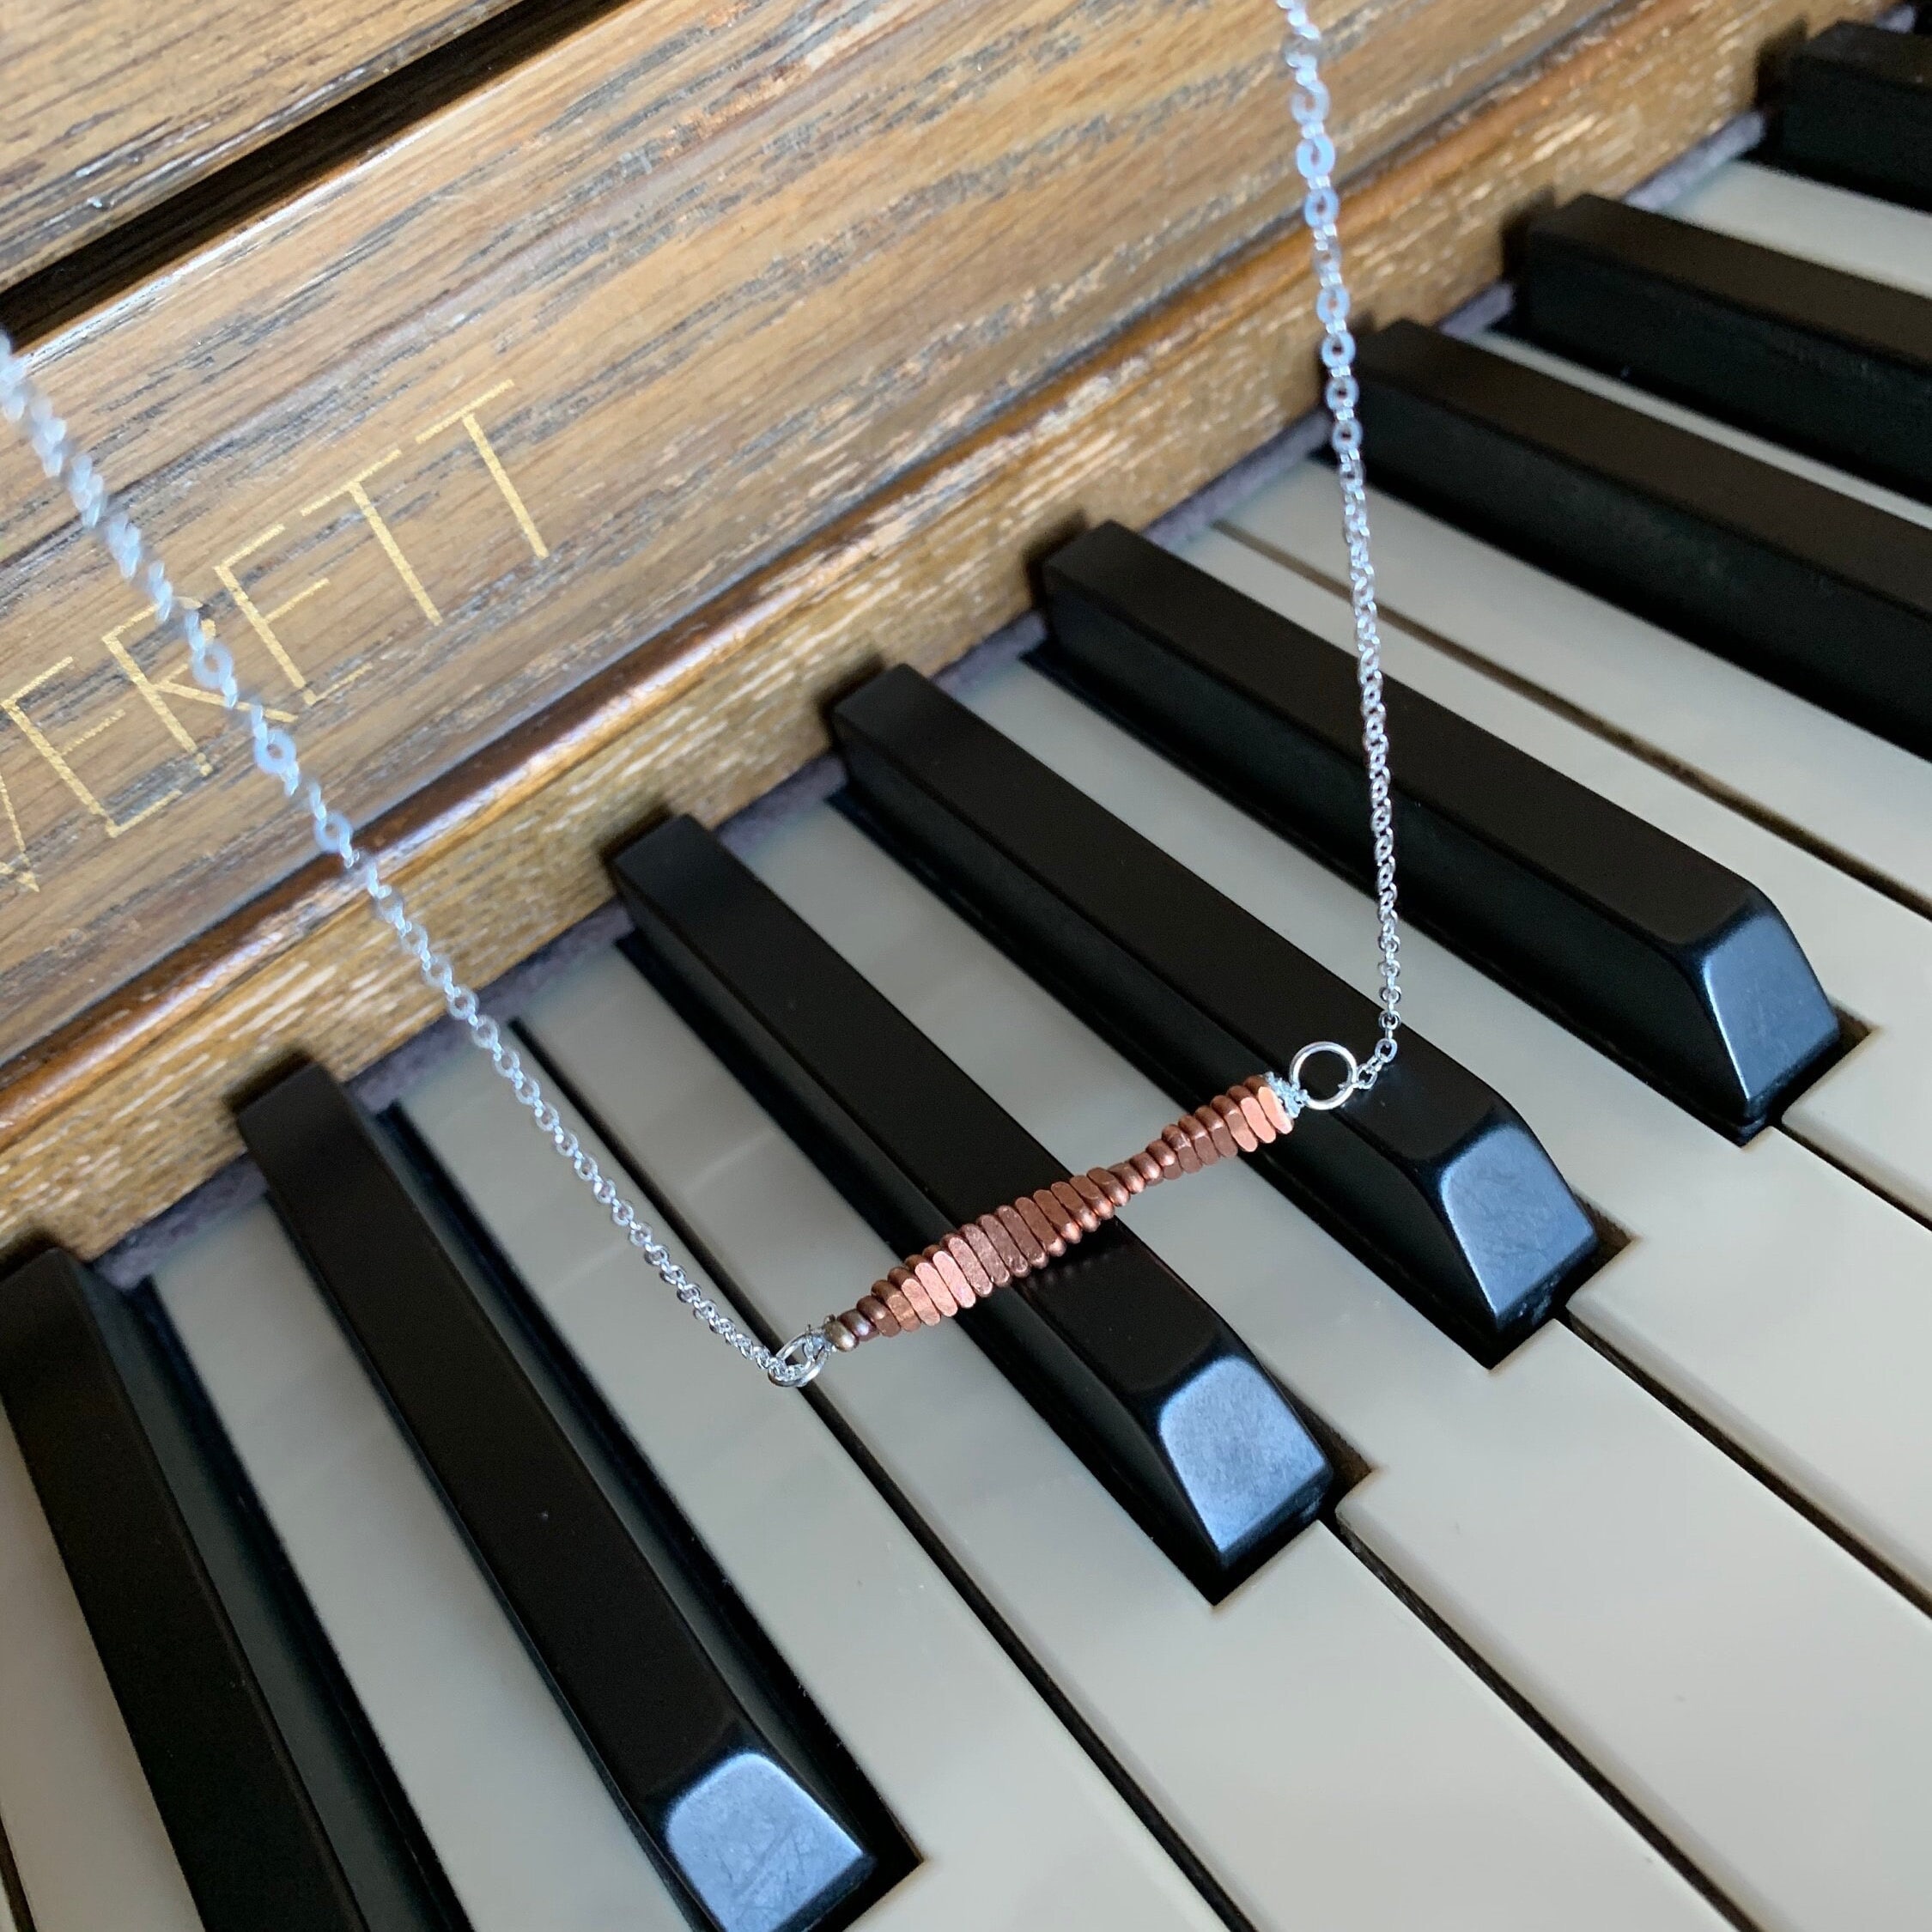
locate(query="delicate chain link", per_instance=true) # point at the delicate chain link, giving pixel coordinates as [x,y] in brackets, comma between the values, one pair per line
[1315,160]
[213,668]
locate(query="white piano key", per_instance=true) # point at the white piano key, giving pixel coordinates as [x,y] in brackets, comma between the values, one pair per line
[1863,236]
[1759,1694]
[1014,1824]
[87,1842]
[1682,1637]
[520,1816]
[1329,1759]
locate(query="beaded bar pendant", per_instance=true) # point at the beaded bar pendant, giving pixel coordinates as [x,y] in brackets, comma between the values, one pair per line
[1019,1239]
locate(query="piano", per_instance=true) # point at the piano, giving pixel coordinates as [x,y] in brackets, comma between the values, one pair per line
[802,528]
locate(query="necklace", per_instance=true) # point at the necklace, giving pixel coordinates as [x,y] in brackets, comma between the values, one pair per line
[1019,1237]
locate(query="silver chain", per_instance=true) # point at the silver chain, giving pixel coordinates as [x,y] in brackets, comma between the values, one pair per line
[212,666]
[1315,160]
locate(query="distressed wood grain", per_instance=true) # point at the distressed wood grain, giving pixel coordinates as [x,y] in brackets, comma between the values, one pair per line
[124,1110]
[711,273]
[114,104]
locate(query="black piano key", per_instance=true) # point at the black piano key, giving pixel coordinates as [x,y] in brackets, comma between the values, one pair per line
[12,1896]
[1858,111]
[1431,1176]
[279,1805]
[1809,587]
[1677,966]
[1140,1376]
[693,1739]
[1809,356]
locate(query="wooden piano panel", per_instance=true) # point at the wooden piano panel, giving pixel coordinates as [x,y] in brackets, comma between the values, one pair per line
[778,408]
[597,338]
[113,104]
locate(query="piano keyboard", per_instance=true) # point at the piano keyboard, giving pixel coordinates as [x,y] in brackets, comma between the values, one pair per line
[1542,1536]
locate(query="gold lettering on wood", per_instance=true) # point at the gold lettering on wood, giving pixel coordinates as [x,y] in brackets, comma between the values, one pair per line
[263,622]
[150,693]
[156,691]
[353,489]
[57,755]
[498,475]
[18,866]
[162,691]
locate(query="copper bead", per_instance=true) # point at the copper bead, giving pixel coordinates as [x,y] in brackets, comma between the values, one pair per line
[965,1258]
[1278,1116]
[1017,1239]
[958,1288]
[892,1292]
[1085,1221]
[1040,1226]
[1019,1231]
[917,1283]
[1003,1244]
[873,1308]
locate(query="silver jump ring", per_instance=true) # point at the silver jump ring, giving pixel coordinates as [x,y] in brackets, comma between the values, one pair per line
[799,1361]
[1349,1080]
